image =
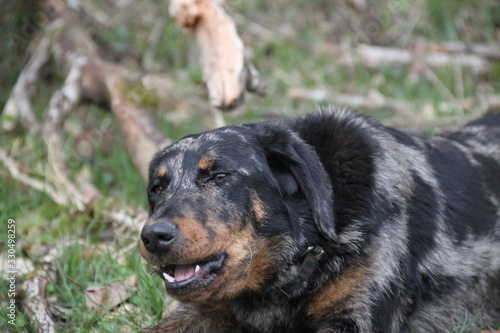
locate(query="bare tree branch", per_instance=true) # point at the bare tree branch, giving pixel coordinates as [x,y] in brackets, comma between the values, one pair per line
[18,106]
[61,104]
[16,172]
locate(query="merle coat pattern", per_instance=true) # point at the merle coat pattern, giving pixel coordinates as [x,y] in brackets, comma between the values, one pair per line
[329,223]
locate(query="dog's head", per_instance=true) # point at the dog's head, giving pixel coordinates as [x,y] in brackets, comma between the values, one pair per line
[230,209]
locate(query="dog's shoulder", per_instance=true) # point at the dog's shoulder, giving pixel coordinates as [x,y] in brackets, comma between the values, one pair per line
[490,121]
[480,133]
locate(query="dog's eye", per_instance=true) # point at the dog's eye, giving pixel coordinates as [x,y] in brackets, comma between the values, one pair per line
[156,189]
[219,176]
[213,179]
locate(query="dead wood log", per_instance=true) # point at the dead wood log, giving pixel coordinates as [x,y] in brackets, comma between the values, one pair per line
[228,74]
[376,56]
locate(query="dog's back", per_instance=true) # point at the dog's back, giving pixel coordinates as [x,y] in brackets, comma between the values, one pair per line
[448,186]
[466,166]
[481,140]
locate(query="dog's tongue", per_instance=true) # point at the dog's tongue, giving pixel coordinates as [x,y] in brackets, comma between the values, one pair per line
[184,272]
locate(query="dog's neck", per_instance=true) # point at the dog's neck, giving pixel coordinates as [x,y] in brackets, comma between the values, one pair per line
[281,302]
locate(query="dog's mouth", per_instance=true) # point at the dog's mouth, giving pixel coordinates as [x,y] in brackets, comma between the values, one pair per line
[195,275]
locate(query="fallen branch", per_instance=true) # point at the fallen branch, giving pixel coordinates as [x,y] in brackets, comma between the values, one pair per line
[475,106]
[226,70]
[88,77]
[16,172]
[140,129]
[34,291]
[64,100]
[489,50]
[124,218]
[376,56]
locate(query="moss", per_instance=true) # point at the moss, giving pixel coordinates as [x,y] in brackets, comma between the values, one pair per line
[138,94]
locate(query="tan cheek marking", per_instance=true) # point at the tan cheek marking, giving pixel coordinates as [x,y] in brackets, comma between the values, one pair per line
[194,236]
[258,206]
[261,265]
[250,263]
[162,171]
[350,282]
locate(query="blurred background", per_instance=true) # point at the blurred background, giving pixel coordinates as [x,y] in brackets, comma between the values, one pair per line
[423,66]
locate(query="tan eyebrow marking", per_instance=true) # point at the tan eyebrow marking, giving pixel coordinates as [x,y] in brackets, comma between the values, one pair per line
[162,171]
[207,160]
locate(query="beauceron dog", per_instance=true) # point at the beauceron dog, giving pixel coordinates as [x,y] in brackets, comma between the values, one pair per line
[328,223]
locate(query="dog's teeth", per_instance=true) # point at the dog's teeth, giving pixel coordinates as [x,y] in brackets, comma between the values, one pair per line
[197,268]
[168,277]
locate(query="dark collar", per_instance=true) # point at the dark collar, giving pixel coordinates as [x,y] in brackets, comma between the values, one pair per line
[306,265]
[314,251]
[308,262]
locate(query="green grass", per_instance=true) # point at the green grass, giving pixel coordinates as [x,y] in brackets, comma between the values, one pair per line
[76,275]
[78,269]
[291,50]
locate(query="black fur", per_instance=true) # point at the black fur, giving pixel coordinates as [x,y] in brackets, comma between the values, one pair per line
[409,227]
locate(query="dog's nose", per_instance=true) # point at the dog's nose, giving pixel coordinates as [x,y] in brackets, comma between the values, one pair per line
[157,237]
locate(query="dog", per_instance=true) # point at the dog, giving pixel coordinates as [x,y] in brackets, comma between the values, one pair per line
[329,223]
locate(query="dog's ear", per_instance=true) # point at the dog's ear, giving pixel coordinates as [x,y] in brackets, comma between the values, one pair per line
[296,165]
